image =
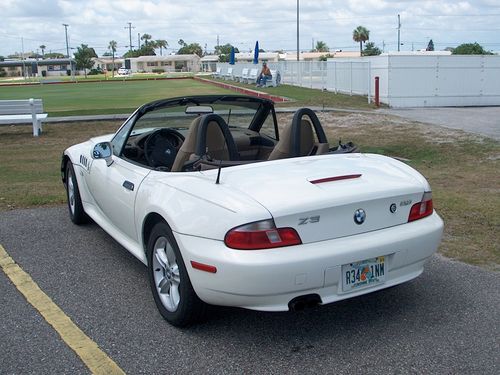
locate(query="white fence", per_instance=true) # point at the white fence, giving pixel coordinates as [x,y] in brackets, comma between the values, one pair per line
[405,80]
[348,77]
[438,81]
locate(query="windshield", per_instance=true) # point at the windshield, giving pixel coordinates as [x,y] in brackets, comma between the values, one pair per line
[177,118]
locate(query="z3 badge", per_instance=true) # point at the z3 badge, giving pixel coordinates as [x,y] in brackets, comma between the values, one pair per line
[309,220]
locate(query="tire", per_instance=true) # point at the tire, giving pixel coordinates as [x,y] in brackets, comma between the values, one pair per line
[172,290]
[75,207]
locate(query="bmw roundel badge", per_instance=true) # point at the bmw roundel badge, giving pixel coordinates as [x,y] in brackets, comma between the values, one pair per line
[359,216]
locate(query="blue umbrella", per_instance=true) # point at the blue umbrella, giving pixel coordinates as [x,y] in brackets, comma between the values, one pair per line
[256,53]
[231,56]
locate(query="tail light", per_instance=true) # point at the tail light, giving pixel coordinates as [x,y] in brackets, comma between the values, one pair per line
[422,209]
[261,235]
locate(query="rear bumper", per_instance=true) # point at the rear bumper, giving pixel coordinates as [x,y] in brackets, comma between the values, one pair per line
[268,279]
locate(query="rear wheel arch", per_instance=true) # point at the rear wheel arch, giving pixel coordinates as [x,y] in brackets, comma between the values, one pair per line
[168,274]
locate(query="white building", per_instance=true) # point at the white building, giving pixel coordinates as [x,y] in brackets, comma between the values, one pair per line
[168,63]
[38,67]
[106,63]
[209,63]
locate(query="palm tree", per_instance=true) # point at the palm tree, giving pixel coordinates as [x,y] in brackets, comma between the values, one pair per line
[321,46]
[112,48]
[146,38]
[361,34]
[161,43]
[42,47]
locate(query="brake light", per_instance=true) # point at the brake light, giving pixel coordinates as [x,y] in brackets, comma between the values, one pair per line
[261,235]
[422,209]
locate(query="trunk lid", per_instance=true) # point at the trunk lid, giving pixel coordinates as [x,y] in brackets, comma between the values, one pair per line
[298,192]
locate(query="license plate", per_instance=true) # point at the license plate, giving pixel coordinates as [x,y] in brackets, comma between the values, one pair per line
[359,275]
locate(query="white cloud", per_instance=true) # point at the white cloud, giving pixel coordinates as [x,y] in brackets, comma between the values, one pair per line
[273,23]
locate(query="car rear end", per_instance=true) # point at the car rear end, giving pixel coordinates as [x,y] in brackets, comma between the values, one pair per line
[340,226]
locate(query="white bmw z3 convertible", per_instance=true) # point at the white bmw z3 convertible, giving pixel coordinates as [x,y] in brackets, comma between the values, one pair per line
[226,209]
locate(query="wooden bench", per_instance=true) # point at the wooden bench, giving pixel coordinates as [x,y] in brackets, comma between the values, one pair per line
[22,112]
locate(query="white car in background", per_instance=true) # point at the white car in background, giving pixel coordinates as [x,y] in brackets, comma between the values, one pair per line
[124,71]
[225,210]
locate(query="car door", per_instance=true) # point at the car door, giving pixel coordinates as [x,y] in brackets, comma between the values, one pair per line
[114,189]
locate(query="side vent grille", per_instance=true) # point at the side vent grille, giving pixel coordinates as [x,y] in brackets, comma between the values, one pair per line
[84,161]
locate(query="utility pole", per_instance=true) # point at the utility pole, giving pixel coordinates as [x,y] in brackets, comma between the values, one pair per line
[130,27]
[138,40]
[22,57]
[66,32]
[67,49]
[298,31]
[399,31]
[312,44]
[383,46]
[218,49]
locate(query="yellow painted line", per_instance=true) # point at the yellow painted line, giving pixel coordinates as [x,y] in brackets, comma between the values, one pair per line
[89,352]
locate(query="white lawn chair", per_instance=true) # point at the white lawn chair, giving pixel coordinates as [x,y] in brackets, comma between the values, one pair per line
[244,76]
[252,76]
[276,80]
[237,74]
[229,74]
[216,74]
[223,71]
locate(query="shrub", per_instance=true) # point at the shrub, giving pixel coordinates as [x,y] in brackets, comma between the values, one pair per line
[95,71]
[158,70]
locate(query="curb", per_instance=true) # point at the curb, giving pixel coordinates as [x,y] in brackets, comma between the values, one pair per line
[258,94]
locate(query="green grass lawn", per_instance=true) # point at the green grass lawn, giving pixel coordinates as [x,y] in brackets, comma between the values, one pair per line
[125,95]
[301,96]
[105,97]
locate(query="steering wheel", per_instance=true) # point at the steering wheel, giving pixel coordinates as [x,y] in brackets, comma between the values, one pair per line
[159,149]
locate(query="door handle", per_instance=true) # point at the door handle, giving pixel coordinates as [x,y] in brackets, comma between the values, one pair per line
[128,185]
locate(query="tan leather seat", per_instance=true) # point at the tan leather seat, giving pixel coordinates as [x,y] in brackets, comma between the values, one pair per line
[283,148]
[298,138]
[217,146]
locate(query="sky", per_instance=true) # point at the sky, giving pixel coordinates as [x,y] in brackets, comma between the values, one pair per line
[27,24]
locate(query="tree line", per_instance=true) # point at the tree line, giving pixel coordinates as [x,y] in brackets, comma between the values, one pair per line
[84,54]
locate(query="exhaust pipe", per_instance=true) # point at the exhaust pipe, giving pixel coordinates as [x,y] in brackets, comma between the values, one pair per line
[301,302]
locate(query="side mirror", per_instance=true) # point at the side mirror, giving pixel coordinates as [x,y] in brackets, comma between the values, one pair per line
[103,150]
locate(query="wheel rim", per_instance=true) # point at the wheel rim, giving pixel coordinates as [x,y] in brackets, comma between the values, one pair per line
[166,274]
[71,192]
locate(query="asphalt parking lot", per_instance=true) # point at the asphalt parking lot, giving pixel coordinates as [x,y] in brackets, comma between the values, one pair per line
[445,321]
